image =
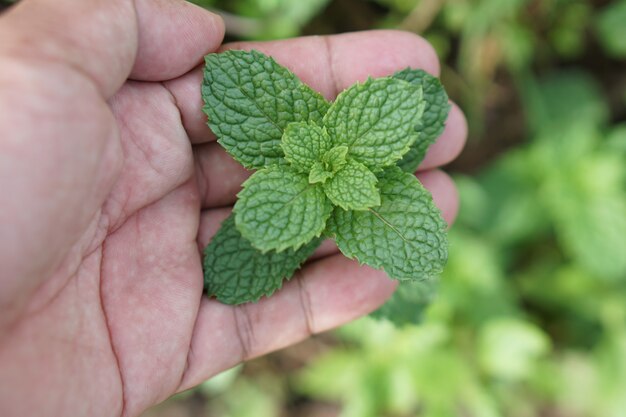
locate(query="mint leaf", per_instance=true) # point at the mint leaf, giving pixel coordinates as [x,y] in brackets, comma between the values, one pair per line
[414,157]
[304,144]
[376,120]
[407,304]
[235,272]
[436,108]
[335,159]
[353,187]
[331,162]
[610,29]
[278,209]
[433,121]
[319,173]
[405,235]
[250,99]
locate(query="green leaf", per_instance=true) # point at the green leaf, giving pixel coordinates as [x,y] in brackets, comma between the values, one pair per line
[335,159]
[405,235]
[304,144]
[414,157]
[407,304]
[509,348]
[235,272]
[319,174]
[353,187]
[332,161]
[433,121]
[250,100]
[436,108]
[611,30]
[278,209]
[376,120]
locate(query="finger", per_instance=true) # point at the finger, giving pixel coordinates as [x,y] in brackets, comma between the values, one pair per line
[327,248]
[150,290]
[210,222]
[219,176]
[444,192]
[174,36]
[325,294]
[156,151]
[102,39]
[328,64]
[451,142]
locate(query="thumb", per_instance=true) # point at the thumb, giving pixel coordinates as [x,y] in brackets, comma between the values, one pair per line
[107,40]
[174,36]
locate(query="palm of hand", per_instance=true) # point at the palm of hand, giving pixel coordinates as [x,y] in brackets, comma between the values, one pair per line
[121,309]
[112,319]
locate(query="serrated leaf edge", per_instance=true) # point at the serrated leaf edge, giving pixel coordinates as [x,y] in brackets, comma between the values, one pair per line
[406,148]
[280,249]
[352,256]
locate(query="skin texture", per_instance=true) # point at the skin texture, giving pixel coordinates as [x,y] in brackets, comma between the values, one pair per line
[111,183]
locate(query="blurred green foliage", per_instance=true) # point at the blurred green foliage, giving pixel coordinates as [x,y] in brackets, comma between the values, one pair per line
[265,19]
[612,30]
[529,317]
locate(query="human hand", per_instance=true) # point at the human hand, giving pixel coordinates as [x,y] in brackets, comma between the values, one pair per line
[112,183]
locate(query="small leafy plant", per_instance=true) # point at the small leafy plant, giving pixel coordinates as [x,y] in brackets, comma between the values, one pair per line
[342,170]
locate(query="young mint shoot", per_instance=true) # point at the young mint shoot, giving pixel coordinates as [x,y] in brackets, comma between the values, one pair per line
[342,170]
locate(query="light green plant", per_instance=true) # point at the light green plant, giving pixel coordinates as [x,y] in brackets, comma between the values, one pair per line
[322,170]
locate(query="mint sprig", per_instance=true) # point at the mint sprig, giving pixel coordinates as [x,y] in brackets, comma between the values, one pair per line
[369,127]
[322,170]
[433,121]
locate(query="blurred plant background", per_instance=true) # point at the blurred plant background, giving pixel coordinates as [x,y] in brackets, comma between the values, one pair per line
[529,318]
